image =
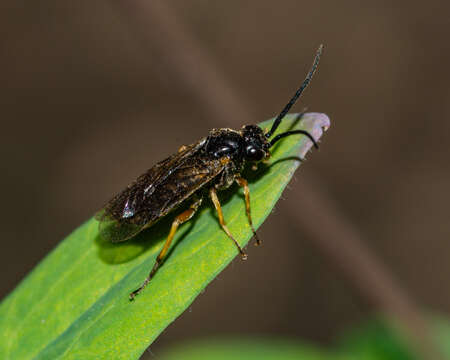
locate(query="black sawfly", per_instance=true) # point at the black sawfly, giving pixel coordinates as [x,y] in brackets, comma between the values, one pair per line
[195,171]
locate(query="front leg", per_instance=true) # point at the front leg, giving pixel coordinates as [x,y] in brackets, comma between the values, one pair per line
[243,183]
[216,202]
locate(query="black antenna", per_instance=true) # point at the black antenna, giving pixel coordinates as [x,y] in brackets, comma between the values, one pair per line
[288,133]
[297,93]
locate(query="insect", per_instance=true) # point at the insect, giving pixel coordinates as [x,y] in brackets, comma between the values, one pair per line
[196,171]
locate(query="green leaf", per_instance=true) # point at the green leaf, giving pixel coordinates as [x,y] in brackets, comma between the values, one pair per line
[246,349]
[74,304]
[379,339]
[441,334]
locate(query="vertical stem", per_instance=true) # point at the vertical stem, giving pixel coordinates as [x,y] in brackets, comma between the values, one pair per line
[186,57]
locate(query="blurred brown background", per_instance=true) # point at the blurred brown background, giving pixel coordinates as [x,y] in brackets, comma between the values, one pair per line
[87,105]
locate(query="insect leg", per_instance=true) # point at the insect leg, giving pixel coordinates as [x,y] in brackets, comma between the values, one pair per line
[215,200]
[180,219]
[243,183]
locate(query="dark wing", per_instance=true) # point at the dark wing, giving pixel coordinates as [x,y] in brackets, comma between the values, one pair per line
[156,192]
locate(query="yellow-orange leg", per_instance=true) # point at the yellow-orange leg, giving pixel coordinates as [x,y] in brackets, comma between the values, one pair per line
[216,202]
[243,183]
[180,219]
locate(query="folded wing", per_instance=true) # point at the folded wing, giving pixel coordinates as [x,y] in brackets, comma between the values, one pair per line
[157,192]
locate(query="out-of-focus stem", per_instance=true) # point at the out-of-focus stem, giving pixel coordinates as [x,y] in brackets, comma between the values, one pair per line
[187,59]
[341,242]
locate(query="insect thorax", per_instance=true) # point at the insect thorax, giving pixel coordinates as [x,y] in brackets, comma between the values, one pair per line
[226,143]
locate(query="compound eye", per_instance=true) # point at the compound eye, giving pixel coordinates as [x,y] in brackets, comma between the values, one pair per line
[254,154]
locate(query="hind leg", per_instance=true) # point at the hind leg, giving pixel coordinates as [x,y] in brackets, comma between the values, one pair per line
[180,219]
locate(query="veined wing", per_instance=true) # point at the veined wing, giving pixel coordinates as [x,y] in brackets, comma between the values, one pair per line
[156,192]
